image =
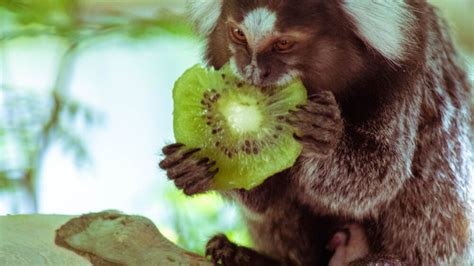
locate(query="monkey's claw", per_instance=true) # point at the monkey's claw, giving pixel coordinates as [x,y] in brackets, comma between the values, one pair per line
[189,173]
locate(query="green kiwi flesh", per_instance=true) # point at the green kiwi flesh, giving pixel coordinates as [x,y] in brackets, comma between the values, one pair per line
[242,127]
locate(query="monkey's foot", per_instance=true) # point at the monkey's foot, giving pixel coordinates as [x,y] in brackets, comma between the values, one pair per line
[222,251]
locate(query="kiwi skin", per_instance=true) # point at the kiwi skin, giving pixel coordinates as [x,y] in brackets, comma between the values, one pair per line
[214,111]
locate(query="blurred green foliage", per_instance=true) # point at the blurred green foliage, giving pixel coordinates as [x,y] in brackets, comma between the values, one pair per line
[72,20]
[459,14]
[199,218]
[31,121]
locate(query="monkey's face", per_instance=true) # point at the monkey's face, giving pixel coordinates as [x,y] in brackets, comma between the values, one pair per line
[271,42]
[262,52]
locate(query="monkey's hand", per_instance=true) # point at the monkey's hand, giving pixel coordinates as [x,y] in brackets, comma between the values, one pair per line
[189,173]
[319,123]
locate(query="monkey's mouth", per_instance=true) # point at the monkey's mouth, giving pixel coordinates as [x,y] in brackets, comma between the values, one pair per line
[256,76]
[261,78]
[280,80]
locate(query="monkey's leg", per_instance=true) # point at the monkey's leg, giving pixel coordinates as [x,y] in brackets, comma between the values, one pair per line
[223,252]
[352,245]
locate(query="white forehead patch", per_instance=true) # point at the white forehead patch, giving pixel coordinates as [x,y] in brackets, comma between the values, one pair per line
[259,24]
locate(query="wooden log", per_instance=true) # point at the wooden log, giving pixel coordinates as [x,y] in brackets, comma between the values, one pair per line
[106,238]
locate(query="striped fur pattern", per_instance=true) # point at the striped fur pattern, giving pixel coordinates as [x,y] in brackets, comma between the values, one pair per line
[402,166]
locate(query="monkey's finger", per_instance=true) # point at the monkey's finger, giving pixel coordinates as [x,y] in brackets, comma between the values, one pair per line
[316,141]
[196,174]
[298,116]
[322,134]
[203,161]
[323,122]
[323,97]
[186,179]
[330,111]
[305,121]
[196,181]
[181,169]
[188,171]
[176,158]
[172,148]
[192,172]
[198,186]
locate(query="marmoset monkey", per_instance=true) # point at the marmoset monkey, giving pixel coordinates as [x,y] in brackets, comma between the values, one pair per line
[386,130]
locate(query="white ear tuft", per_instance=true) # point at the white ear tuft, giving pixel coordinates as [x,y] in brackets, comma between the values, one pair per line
[382,24]
[204,14]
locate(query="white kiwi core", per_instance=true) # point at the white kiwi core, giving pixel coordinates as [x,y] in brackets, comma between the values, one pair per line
[242,116]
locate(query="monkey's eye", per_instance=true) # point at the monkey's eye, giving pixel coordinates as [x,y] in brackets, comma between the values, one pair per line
[238,35]
[283,45]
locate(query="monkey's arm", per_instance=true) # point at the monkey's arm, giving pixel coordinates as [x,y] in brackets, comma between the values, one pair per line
[368,164]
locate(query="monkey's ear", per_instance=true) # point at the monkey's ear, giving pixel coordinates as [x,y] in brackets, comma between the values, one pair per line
[384,25]
[204,14]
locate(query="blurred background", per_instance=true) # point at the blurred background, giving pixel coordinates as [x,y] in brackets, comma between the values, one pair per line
[85,107]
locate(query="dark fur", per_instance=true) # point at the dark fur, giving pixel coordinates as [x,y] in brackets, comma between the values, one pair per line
[397,162]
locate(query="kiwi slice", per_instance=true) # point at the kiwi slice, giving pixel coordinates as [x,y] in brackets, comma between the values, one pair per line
[242,127]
